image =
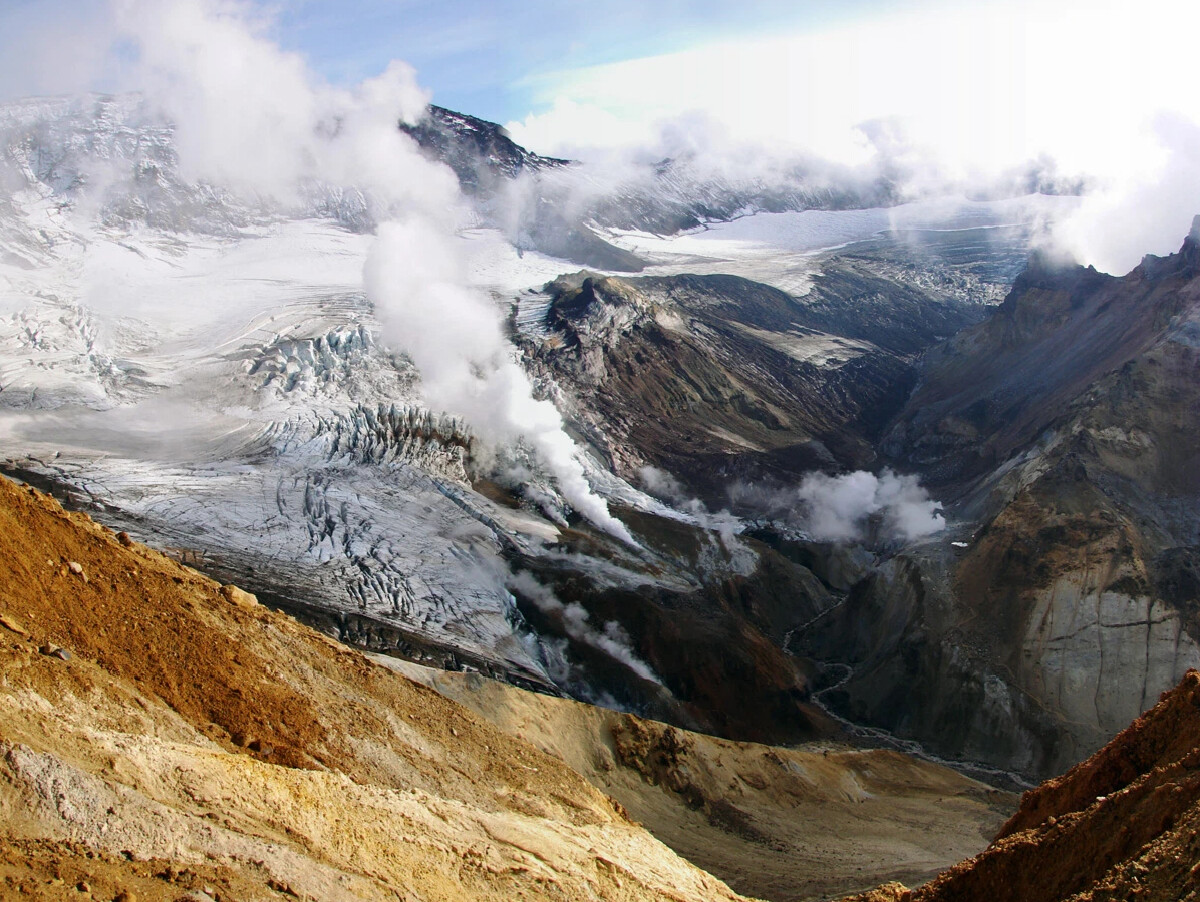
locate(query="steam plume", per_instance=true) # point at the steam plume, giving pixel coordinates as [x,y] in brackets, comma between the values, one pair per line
[1147,211]
[663,485]
[837,508]
[846,508]
[454,337]
[612,639]
[253,118]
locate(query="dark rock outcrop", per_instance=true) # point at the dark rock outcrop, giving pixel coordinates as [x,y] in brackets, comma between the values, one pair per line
[490,166]
[718,378]
[1121,825]
[481,153]
[1067,428]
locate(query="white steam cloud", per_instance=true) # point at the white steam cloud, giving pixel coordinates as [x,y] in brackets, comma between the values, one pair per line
[664,485]
[576,622]
[936,97]
[838,508]
[1146,211]
[852,507]
[453,336]
[253,118]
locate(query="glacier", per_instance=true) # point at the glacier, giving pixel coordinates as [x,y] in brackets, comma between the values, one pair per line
[205,371]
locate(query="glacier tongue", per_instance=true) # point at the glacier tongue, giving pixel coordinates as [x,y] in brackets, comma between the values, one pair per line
[277,442]
[203,370]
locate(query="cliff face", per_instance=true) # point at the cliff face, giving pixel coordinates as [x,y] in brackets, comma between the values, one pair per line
[1049,351]
[160,733]
[1062,429]
[1121,825]
[1067,428]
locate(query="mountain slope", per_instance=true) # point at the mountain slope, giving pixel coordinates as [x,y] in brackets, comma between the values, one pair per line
[785,824]
[481,153]
[993,389]
[147,713]
[563,208]
[1066,426]
[717,378]
[1121,825]
[507,183]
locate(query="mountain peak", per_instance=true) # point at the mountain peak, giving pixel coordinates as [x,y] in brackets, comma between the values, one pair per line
[481,153]
[1190,252]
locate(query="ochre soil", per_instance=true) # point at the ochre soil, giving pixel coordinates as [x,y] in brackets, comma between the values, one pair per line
[163,738]
[786,824]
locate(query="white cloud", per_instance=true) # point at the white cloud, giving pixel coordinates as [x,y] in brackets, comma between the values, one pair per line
[970,90]
[1146,210]
[454,337]
[254,119]
[52,47]
[852,507]
[576,623]
[985,85]
[838,508]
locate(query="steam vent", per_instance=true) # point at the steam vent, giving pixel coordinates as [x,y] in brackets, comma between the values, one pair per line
[496,452]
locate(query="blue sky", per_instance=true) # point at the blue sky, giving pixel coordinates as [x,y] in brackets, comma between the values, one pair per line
[483,57]
[498,59]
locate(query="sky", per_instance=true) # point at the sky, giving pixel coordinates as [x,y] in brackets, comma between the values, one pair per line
[491,58]
[954,93]
[984,82]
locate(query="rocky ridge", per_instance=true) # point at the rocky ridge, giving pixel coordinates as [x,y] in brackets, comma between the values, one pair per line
[1120,825]
[718,378]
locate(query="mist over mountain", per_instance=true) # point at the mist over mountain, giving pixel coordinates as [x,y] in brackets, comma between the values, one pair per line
[413,502]
[765,443]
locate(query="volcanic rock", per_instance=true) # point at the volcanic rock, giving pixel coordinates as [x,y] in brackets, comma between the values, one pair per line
[718,378]
[1065,429]
[1120,825]
[121,767]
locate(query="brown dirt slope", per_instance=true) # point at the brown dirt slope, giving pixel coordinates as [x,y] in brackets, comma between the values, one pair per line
[161,736]
[786,824]
[1122,825]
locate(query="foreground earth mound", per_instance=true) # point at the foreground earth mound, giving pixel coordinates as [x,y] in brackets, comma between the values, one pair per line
[1124,824]
[780,823]
[161,736]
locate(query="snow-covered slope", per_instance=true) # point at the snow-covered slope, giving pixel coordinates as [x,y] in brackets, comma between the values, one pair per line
[241,409]
[206,371]
[786,249]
